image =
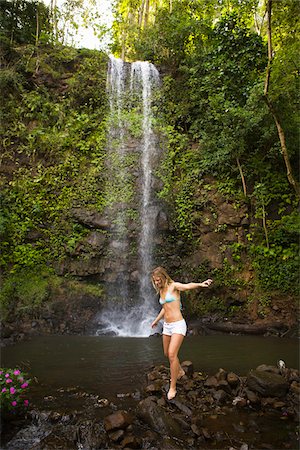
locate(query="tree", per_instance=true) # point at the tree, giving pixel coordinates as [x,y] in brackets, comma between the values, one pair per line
[23,21]
[271,105]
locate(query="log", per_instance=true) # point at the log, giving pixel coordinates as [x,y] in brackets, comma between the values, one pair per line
[230,327]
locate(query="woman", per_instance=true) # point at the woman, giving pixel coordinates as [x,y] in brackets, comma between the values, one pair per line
[174,328]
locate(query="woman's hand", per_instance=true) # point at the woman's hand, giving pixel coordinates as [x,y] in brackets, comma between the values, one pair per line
[206,283]
[153,324]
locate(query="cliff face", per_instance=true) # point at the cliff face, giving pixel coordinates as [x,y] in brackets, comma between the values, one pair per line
[60,205]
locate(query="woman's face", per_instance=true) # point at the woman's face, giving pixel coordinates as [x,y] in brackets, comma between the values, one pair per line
[158,281]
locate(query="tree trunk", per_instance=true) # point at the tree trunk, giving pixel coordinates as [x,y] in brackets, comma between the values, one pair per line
[280,130]
[242,177]
[141,14]
[37,31]
[265,225]
[147,7]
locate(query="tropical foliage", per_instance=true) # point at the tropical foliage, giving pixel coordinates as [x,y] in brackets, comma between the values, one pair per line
[215,116]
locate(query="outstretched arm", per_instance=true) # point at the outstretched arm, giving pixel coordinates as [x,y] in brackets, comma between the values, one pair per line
[160,316]
[188,286]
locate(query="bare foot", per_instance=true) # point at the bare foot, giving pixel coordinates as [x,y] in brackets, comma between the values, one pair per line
[181,373]
[171,394]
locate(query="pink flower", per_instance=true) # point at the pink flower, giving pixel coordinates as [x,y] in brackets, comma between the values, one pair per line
[24,385]
[14,403]
[17,372]
[12,390]
[4,390]
[1,372]
[8,380]
[26,402]
[6,375]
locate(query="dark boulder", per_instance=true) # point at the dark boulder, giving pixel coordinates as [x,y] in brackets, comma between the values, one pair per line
[158,419]
[267,384]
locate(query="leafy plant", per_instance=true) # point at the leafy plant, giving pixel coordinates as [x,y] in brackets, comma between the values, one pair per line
[13,388]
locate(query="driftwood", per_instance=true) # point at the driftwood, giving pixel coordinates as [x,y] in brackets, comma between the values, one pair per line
[230,327]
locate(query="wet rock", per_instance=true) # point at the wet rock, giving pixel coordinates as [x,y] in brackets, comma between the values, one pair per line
[244,447]
[251,396]
[267,368]
[162,221]
[169,443]
[239,401]
[158,419]
[90,435]
[182,422]
[295,387]
[220,396]
[154,375]
[187,411]
[232,379]
[188,368]
[116,436]
[221,375]
[90,218]
[205,433]
[196,430]
[211,382]
[119,419]
[267,383]
[161,402]
[131,442]
[153,388]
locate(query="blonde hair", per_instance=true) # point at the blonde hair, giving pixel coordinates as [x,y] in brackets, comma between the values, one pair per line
[162,273]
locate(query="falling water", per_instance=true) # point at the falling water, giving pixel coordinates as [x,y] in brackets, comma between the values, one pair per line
[132,86]
[145,77]
[117,174]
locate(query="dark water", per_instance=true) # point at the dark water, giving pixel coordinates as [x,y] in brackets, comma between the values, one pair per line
[111,365]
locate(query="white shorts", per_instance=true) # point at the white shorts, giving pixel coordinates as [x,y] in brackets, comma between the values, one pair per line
[178,327]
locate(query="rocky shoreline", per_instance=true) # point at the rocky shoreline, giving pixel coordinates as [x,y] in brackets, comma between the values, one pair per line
[223,411]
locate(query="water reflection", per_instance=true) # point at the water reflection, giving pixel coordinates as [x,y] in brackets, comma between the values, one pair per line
[109,365]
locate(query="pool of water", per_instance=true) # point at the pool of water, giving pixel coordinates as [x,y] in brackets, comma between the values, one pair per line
[110,365]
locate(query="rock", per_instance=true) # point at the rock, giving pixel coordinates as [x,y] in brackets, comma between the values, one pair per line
[162,221]
[90,218]
[187,411]
[169,443]
[295,387]
[131,442]
[196,430]
[266,368]
[116,436]
[158,419]
[232,379]
[183,423]
[155,375]
[152,388]
[251,396]
[221,375]
[220,396]
[267,384]
[119,419]
[211,382]
[239,401]
[92,244]
[229,215]
[188,368]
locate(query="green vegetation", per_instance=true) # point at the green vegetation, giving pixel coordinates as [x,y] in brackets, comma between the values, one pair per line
[227,114]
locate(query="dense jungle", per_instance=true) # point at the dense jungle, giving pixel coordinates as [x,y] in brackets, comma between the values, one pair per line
[169,137]
[228,123]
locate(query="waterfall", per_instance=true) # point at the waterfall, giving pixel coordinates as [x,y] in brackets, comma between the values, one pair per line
[117,174]
[145,78]
[130,89]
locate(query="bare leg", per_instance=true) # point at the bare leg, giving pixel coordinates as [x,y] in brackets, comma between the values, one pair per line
[166,343]
[174,346]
